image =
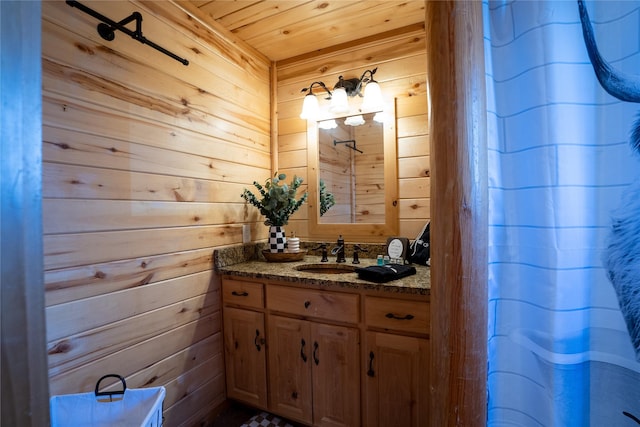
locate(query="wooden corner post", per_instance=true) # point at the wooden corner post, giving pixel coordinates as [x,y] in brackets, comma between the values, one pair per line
[456,81]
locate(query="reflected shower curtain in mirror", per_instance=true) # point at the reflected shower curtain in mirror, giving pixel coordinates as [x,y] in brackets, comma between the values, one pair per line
[559,162]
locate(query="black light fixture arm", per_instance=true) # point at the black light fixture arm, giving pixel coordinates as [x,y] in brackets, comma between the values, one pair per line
[353,86]
[107,28]
[321,84]
[346,143]
[365,79]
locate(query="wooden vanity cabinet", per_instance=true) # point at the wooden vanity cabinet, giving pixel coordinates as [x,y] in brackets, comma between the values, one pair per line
[290,379]
[396,358]
[397,384]
[336,375]
[311,366]
[244,342]
[314,367]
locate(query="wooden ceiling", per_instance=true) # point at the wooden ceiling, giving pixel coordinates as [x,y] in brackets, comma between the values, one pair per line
[282,29]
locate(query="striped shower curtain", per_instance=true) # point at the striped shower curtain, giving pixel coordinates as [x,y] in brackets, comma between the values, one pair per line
[559,161]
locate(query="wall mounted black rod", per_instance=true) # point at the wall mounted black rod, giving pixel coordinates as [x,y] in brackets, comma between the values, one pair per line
[346,143]
[107,27]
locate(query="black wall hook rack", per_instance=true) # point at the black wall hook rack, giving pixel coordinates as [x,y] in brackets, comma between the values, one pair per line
[346,143]
[107,28]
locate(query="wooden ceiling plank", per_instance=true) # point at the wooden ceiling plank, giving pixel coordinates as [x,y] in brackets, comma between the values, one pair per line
[282,29]
[414,33]
[389,52]
[255,14]
[200,3]
[219,9]
[303,37]
[314,13]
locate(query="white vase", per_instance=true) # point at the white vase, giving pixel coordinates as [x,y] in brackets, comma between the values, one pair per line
[277,238]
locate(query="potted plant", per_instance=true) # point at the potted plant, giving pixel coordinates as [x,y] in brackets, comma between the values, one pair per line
[277,203]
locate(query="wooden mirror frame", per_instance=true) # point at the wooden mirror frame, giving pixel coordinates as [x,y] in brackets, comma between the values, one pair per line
[371,232]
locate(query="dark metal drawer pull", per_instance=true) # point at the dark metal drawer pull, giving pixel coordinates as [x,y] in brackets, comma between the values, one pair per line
[240,294]
[307,304]
[370,372]
[393,316]
[315,353]
[257,340]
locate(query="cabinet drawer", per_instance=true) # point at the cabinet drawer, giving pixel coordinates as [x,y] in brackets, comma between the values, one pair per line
[248,294]
[307,302]
[399,315]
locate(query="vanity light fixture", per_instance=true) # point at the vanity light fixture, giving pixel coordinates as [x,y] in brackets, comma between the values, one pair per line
[372,96]
[310,106]
[339,102]
[342,90]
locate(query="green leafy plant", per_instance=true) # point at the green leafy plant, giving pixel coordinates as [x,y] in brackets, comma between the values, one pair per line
[278,200]
[326,199]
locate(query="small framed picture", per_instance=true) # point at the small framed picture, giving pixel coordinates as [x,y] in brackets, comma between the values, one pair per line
[397,248]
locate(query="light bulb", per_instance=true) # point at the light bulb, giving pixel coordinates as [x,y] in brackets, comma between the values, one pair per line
[372,97]
[339,103]
[309,107]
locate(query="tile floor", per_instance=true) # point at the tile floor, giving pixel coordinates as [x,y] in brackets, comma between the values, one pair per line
[236,415]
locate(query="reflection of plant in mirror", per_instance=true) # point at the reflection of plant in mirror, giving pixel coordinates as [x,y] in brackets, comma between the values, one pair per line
[326,199]
[278,201]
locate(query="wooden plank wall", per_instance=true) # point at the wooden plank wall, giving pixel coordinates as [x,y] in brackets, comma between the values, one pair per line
[402,62]
[144,161]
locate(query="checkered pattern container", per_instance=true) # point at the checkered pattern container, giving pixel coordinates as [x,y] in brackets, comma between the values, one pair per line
[128,407]
[277,239]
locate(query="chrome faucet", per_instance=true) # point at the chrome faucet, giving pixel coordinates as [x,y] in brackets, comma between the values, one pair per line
[338,251]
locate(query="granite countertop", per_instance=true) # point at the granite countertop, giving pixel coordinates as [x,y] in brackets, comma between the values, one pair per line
[250,267]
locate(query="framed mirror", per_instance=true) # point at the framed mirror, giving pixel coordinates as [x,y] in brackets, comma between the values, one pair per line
[353,158]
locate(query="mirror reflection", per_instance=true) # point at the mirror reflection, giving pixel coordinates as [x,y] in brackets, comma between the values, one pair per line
[351,170]
[357,165]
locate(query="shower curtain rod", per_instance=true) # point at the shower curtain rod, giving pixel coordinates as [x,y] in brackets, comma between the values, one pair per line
[107,26]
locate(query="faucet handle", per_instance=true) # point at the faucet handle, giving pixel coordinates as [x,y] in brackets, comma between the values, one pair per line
[357,249]
[323,246]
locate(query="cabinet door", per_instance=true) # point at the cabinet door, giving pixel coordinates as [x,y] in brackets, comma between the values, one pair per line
[397,380]
[336,375]
[290,352]
[245,354]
